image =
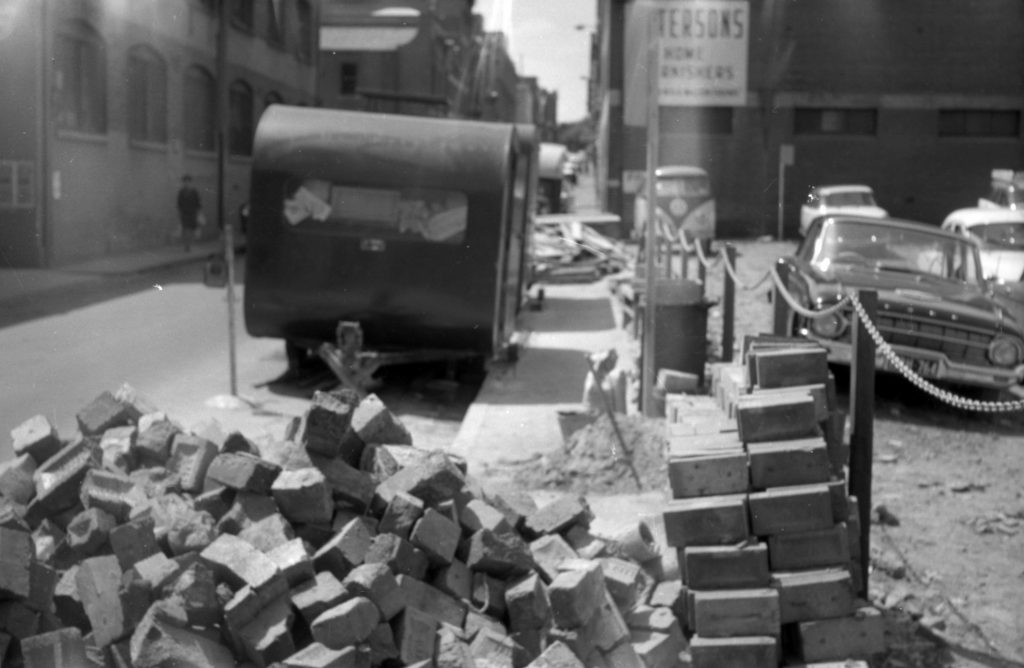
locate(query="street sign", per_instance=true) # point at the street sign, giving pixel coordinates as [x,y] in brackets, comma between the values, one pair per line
[787,155]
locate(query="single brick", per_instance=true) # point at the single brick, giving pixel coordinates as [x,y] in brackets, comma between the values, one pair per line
[117,447]
[112,492]
[347,623]
[557,655]
[37,438]
[303,496]
[784,509]
[401,515]
[435,480]
[800,550]
[437,536]
[708,475]
[190,458]
[501,555]
[103,413]
[859,635]
[491,649]
[747,651]
[312,597]
[478,514]
[575,596]
[725,566]
[527,603]
[789,367]
[415,633]
[455,579]
[775,418]
[432,601]
[608,626]
[713,520]
[17,552]
[267,638]
[59,478]
[623,655]
[377,583]
[293,560]
[624,580]
[559,516]
[153,444]
[216,502]
[548,552]
[63,647]
[158,641]
[89,531]
[16,481]
[399,555]
[783,463]
[157,570]
[98,580]
[247,508]
[195,589]
[346,482]
[326,421]
[515,505]
[808,595]
[241,471]
[346,550]
[134,541]
[656,649]
[238,563]
[738,612]
[374,423]
[318,655]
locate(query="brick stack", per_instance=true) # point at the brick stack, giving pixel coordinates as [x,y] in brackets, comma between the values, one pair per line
[766,533]
[138,543]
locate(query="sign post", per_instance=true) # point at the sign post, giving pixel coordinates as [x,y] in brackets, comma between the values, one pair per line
[786,156]
[650,237]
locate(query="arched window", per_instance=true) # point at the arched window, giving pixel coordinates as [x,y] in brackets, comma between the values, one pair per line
[147,95]
[80,79]
[240,118]
[305,46]
[200,111]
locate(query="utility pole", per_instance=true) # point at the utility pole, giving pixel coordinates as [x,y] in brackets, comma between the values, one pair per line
[222,157]
[650,238]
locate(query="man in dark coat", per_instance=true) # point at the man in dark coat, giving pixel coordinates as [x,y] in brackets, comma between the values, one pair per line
[189,210]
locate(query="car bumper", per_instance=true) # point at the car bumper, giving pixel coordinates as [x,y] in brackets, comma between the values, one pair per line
[934,366]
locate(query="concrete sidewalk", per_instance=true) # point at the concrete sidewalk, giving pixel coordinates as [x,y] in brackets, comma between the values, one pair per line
[20,284]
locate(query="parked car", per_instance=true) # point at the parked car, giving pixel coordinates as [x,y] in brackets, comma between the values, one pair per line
[935,307]
[1000,233]
[851,199]
[1006,191]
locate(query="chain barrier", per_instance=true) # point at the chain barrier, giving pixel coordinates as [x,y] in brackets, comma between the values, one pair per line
[731,270]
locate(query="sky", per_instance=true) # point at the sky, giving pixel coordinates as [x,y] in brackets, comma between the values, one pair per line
[545,43]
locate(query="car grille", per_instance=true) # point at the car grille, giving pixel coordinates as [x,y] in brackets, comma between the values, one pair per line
[961,344]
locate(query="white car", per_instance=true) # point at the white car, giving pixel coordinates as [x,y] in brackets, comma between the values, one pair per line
[849,199]
[1000,233]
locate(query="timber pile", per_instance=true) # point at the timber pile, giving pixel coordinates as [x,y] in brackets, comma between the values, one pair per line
[138,543]
[766,534]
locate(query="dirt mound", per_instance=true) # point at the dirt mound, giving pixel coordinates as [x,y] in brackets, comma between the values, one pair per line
[594,462]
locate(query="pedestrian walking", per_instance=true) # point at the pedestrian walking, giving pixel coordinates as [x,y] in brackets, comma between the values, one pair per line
[190,211]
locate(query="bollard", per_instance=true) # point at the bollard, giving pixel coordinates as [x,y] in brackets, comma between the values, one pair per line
[862,411]
[729,307]
[780,319]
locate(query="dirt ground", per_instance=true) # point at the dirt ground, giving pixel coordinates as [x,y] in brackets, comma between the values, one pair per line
[947,567]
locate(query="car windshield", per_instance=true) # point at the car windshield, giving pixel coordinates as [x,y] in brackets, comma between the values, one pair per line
[849,198]
[690,186]
[893,248]
[1004,235]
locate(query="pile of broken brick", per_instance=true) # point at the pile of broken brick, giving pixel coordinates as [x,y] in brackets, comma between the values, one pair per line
[139,543]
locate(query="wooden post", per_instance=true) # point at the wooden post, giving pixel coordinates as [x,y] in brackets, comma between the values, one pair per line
[780,319]
[862,411]
[729,307]
[702,271]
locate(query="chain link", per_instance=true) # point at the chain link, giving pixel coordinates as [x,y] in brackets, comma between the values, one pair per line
[731,270]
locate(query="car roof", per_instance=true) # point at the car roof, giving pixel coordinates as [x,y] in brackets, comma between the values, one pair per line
[899,223]
[977,215]
[679,170]
[842,187]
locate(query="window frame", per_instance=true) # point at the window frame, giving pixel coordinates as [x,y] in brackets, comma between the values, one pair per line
[194,129]
[352,77]
[153,114]
[814,121]
[80,80]
[978,123]
[241,120]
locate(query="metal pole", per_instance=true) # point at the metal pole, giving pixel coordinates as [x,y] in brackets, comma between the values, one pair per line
[782,189]
[780,318]
[862,410]
[647,350]
[222,155]
[729,307]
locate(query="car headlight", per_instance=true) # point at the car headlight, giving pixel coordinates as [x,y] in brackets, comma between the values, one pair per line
[1004,351]
[830,326]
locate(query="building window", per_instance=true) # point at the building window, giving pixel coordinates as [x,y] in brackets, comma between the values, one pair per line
[80,78]
[306,43]
[276,27]
[242,14]
[17,184]
[147,95]
[700,120]
[240,130]
[835,121]
[978,123]
[200,110]
[349,78]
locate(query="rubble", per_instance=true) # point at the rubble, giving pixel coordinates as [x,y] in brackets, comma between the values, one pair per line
[138,542]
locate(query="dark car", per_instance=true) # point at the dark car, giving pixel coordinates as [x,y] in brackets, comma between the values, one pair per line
[935,308]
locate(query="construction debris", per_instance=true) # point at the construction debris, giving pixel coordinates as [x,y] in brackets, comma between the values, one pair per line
[138,543]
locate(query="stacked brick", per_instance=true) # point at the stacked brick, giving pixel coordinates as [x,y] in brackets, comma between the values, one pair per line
[138,543]
[766,534]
